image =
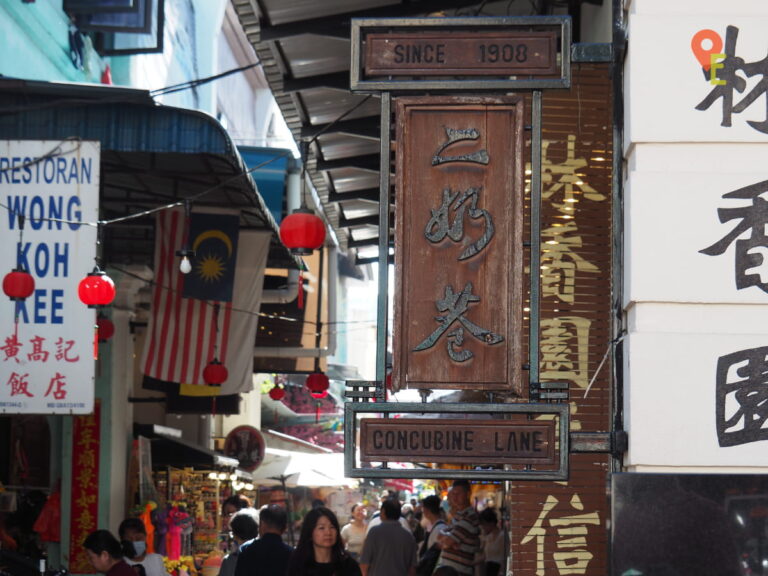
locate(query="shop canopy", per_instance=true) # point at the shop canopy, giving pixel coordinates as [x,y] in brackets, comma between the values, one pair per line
[151,156]
[170,449]
[293,469]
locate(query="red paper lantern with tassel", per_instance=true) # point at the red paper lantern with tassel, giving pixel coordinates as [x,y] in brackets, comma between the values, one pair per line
[302,231]
[18,284]
[318,384]
[105,328]
[96,289]
[215,373]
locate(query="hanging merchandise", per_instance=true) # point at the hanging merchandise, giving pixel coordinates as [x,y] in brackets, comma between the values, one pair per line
[48,523]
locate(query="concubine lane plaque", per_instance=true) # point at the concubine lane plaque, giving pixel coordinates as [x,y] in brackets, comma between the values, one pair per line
[458,441]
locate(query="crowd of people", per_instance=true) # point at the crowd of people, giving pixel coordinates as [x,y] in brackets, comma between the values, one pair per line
[415,539]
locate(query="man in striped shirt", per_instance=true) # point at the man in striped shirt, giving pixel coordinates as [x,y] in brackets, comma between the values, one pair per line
[461,541]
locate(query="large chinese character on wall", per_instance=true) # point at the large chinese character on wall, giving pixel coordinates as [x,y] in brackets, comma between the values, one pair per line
[458,300]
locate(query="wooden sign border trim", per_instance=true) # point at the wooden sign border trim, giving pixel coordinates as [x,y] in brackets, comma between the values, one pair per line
[352,409]
[455,435]
[363,26]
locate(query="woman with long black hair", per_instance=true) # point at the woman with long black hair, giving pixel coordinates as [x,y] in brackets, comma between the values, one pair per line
[105,554]
[320,551]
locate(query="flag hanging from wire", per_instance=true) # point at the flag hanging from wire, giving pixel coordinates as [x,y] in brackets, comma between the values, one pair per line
[186,331]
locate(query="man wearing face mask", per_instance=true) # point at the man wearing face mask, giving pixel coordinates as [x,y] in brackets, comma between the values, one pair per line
[433,524]
[132,531]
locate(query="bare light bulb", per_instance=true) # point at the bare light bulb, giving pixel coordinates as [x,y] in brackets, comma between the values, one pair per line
[185,266]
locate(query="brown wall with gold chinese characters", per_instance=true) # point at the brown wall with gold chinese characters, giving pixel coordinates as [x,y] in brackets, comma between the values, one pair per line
[561,527]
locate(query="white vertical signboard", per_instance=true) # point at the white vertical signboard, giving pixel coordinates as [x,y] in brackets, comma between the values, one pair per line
[46,359]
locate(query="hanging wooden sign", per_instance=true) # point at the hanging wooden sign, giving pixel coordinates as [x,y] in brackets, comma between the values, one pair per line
[458,242]
[449,54]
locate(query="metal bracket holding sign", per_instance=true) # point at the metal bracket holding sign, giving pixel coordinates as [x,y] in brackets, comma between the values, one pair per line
[505,442]
[460,54]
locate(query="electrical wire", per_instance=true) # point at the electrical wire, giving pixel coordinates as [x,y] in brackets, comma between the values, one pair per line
[265,315]
[199,81]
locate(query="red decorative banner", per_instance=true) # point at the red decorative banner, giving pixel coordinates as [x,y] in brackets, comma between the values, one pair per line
[85,487]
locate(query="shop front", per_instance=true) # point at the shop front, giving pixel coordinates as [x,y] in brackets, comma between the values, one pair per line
[149,158]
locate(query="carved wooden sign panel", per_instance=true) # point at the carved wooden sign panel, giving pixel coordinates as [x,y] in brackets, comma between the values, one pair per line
[460,441]
[458,243]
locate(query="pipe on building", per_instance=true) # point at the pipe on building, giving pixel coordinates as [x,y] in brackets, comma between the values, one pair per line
[301,352]
[290,291]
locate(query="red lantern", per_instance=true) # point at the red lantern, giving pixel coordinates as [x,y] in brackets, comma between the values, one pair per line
[317,382]
[18,284]
[215,373]
[96,289]
[105,328]
[277,393]
[302,231]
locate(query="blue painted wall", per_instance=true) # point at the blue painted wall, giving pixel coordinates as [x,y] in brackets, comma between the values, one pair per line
[34,44]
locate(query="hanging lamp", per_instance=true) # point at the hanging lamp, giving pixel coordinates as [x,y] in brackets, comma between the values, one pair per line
[302,231]
[105,328]
[185,253]
[19,284]
[277,393]
[215,373]
[96,289]
[318,385]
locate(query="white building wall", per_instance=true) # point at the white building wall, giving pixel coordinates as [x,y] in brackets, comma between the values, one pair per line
[691,387]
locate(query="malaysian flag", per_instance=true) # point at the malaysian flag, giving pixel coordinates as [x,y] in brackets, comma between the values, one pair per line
[210,312]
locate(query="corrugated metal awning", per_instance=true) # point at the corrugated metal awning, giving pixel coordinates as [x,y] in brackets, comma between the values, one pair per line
[152,155]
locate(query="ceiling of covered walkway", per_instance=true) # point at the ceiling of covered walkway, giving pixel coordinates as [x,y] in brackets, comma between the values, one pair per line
[304,48]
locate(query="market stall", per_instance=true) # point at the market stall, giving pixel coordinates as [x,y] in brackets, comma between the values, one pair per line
[177,489]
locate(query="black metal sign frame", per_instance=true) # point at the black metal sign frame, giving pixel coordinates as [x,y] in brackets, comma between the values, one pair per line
[558,411]
[362,27]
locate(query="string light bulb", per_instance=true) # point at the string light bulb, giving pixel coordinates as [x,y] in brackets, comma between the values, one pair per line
[185,266]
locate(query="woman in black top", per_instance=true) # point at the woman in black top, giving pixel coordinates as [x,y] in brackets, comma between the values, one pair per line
[320,551]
